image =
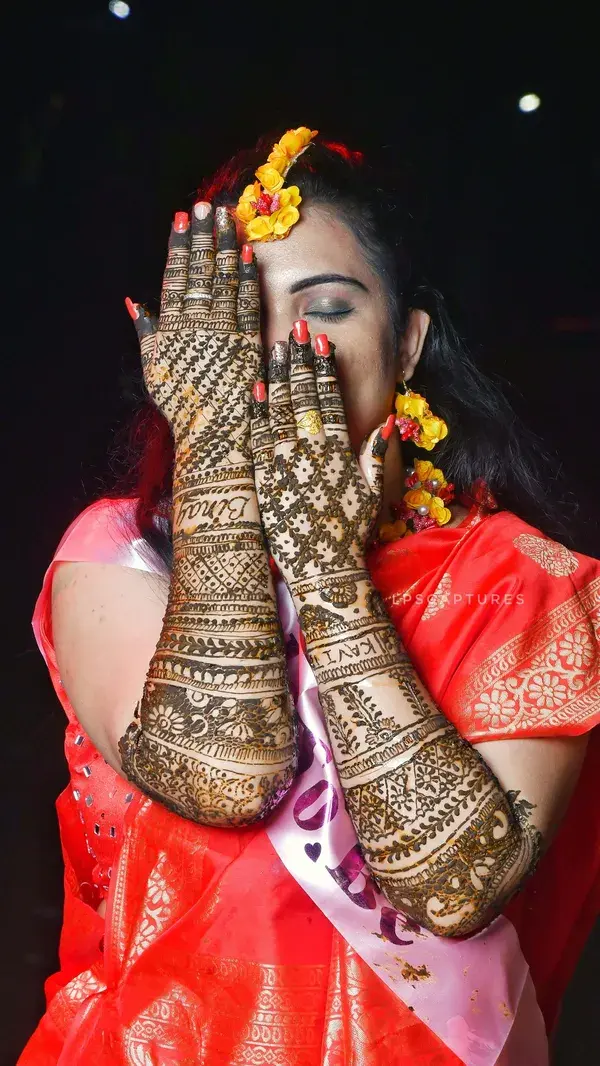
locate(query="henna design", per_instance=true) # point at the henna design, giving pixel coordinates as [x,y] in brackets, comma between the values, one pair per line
[214,734]
[444,842]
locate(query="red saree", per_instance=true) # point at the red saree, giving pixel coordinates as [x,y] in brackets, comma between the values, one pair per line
[210,952]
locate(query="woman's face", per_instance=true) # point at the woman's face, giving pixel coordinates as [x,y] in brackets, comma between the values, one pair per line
[319,273]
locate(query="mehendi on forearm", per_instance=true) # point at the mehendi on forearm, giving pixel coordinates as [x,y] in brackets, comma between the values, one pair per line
[445,843]
[213,737]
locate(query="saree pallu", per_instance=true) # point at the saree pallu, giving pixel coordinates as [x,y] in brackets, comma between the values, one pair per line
[210,951]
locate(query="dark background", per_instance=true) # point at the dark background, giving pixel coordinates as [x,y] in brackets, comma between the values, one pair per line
[108,128]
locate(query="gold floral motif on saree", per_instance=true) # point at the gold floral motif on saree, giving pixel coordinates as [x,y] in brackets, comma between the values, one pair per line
[439,599]
[547,676]
[553,557]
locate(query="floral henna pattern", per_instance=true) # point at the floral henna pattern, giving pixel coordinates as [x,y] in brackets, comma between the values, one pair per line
[444,842]
[214,735]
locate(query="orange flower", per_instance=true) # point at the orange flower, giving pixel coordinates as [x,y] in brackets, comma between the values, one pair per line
[392,531]
[416,498]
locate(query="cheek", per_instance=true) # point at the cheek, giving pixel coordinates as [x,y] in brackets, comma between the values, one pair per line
[367,379]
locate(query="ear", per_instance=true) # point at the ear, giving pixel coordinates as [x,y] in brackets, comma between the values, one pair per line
[411,342]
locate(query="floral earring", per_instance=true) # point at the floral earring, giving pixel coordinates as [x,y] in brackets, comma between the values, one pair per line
[424,504]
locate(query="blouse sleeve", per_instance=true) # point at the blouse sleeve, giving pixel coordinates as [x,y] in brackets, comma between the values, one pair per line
[105,532]
[532,665]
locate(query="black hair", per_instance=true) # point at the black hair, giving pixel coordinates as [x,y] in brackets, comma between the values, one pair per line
[486,439]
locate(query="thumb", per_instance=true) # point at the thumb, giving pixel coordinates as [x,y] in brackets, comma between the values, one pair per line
[372,453]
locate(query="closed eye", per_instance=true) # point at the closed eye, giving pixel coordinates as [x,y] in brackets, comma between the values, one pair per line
[330,316]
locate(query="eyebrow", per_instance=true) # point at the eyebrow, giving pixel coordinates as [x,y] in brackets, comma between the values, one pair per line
[325,279]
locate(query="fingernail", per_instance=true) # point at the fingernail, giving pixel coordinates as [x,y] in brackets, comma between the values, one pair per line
[247,253]
[221,216]
[134,309]
[388,429]
[322,344]
[300,331]
[259,392]
[181,221]
[201,209]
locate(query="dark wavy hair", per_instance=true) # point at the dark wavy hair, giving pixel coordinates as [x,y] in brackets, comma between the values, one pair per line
[486,439]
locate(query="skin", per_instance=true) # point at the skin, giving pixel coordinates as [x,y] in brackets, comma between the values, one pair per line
[369,362]
[104,667]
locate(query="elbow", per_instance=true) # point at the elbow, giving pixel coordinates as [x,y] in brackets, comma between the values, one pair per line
[451,919]
[211,795]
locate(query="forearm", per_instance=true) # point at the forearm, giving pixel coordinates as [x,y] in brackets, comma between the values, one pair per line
[214,731]
[444,841]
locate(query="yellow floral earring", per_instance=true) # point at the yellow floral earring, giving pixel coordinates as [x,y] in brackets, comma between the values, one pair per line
[424,504]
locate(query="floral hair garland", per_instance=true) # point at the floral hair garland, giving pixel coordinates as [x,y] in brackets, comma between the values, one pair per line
[267,209]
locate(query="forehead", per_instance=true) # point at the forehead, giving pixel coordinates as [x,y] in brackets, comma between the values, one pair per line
[320,243]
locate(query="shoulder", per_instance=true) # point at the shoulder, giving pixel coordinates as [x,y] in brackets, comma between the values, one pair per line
[108,532]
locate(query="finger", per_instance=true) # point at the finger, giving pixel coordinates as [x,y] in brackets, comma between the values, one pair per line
[198,294]
[281,413]
[223,315]
[146,326]
[331,404]
[248,302]
[303,388]
[260,431]
[176,270]
[372,454]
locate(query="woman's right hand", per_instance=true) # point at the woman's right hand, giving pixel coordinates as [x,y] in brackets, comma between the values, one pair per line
[203,356]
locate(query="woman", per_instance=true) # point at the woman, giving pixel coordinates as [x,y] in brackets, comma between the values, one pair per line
[223,903]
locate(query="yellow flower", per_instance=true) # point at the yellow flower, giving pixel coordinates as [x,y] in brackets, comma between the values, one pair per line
[294,141]
[291,143]
[423,469]
[290,197]
[259,228]
[245,210]
[251,192]
[415,498]
[411,406]
[439,511]
[284,219]
[278,159]
[392,531]
[433,430]
[270,178]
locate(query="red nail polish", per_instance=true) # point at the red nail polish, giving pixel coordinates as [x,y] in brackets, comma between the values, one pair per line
[134,309]
[247,253]
[322,344]
[259,392]
[181,221]
[387,430]
[300,331]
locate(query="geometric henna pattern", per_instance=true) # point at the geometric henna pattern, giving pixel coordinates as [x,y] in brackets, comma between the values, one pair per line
[213,736]
[442,839]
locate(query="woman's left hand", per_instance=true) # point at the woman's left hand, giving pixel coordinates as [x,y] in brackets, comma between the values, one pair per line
[318,503]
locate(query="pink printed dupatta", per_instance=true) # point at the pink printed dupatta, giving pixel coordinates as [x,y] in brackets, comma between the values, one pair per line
[226,945]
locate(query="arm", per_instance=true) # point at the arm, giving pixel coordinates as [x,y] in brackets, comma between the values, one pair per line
[213,734]
[447,840]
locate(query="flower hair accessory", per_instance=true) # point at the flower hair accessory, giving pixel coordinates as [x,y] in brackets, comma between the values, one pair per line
[423,506]
[267,208]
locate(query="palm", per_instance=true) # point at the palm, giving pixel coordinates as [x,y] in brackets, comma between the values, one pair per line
[201,359]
